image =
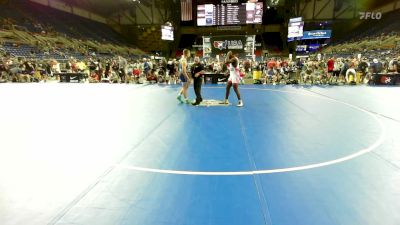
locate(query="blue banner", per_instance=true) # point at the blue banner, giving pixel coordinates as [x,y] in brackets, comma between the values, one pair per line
[313,47]
[301,48]
[317,34]
[313,34]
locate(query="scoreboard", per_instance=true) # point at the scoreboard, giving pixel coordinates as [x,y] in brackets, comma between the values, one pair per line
[229,14]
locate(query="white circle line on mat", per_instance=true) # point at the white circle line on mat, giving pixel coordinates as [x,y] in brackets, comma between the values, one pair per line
[378,142]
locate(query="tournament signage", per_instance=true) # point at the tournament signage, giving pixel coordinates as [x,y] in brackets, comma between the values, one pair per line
[312,34]
[223,44]
[386,79]
[301,48]
[316,34]
[229,1]
[313,47]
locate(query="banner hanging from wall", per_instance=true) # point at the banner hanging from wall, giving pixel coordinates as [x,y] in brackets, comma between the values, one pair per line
[223,44]
[316,34]
[243,45]
[313,34]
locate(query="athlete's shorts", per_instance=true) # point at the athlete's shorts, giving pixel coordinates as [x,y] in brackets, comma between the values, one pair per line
[234,80]
[183,78]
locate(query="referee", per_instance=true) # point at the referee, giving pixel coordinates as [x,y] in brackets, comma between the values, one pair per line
[197,74]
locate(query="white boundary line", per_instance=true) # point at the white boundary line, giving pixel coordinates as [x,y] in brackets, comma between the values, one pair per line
[281,170]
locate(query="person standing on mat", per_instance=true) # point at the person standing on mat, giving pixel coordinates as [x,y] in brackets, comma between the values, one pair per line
[234,77]
[197,74]
[184,77]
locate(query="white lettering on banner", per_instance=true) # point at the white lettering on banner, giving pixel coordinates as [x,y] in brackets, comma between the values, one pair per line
[229,28]
[228,44]
[229,1]
[235,44]
[318,34]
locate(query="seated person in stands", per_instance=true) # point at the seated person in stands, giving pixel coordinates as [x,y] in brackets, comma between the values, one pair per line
[68,66]
[393,66]
[95,76]
[162,75]
[55,67]
[337,67]
[283,75]
[114,77]
[307,74]
[3,71]
[271,76]
[146,67]
[343,70]
[122,65]
[330,67]
[92,65]
[74,66]
[115,67]
[351,75]
[28,68]
[363,69]
[129,77]
[107,69]
[320,74]
[3,77]
[376,66]
[136,74]
[15,71]
[24,77]
[247,68]
[216,67]
[271,63]
[152,77]
[171,69]
[37,75]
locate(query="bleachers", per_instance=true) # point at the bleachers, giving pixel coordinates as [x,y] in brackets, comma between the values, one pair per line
[372,29]
[37,29]
[32,16]
[72,25]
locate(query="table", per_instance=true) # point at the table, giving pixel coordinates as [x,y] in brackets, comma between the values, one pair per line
[215,77]
[68,77]
[386,79]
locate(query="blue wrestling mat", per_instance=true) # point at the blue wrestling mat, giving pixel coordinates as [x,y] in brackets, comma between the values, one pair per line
[116,154]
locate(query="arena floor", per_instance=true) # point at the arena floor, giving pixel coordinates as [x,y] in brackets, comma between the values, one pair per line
[85,154]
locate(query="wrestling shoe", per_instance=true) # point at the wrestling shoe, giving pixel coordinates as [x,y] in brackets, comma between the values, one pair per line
[197,102]
[240,104]
[179,97]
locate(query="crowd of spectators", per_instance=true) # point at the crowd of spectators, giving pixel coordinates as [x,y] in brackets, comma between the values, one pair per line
[315,69]
[350,62]
[328,70]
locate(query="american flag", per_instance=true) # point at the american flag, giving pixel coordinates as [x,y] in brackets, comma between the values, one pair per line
[186,10]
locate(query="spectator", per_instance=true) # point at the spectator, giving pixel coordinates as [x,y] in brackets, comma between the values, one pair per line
[146,67]
[351,74]
[363,69]
[330,66]
[151,77]
[376,66]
